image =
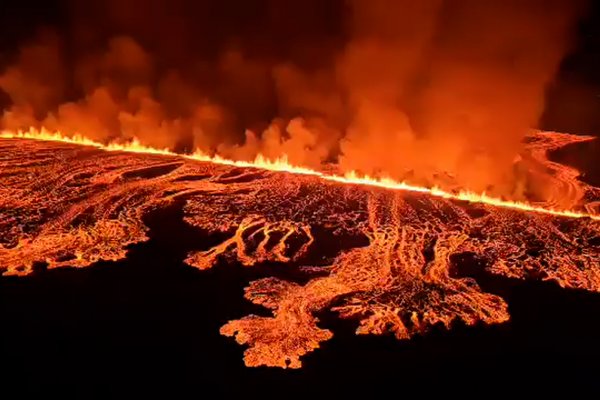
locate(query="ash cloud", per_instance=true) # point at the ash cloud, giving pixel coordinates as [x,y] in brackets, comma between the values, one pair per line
[435,92]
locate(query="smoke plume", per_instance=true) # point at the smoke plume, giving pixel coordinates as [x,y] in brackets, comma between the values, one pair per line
[438,92]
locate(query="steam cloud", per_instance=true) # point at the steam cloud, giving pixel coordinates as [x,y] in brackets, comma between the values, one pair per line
[433,91]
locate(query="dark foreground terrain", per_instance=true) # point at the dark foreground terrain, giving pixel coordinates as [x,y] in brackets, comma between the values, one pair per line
[149,325]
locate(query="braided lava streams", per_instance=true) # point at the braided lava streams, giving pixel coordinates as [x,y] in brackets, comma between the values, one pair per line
[64,204]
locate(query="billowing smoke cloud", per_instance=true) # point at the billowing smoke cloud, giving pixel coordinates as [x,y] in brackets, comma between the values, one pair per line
[449,87]
[435,91]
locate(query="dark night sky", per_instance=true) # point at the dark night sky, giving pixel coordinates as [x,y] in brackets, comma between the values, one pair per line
[574,102]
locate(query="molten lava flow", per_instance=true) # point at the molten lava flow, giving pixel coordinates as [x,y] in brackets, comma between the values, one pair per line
[282,164]
[393,260]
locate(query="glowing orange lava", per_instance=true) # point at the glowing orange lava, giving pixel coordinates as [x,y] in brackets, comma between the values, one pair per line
[282,164]
[389,259]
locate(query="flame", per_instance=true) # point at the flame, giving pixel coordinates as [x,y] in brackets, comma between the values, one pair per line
[281,164]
